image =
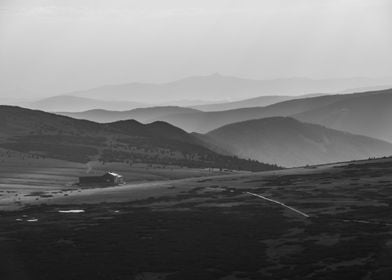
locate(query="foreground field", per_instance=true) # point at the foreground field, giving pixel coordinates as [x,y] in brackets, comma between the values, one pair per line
[24,174]
[208,228]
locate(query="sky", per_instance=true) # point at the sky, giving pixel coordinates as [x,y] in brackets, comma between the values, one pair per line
[56,46]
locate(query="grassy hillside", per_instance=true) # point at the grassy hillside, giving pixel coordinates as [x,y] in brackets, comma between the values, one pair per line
[60,137]
[24,173]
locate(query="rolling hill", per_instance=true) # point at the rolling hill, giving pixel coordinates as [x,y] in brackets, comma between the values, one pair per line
[54,136]
[288,142]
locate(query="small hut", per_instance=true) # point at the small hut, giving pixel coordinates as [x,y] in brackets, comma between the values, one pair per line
[109,178]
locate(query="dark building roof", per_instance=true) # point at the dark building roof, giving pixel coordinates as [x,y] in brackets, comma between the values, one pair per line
[108,177]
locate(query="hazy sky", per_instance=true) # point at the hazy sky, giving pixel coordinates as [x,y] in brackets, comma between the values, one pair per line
[61,45]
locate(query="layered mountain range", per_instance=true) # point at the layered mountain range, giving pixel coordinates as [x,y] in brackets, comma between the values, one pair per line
[367,113]
[302,130]
[214,92]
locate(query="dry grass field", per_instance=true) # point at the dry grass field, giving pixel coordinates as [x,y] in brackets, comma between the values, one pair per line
[208,228]
[25,174]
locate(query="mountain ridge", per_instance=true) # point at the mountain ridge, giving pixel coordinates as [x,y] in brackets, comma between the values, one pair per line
[311,109]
